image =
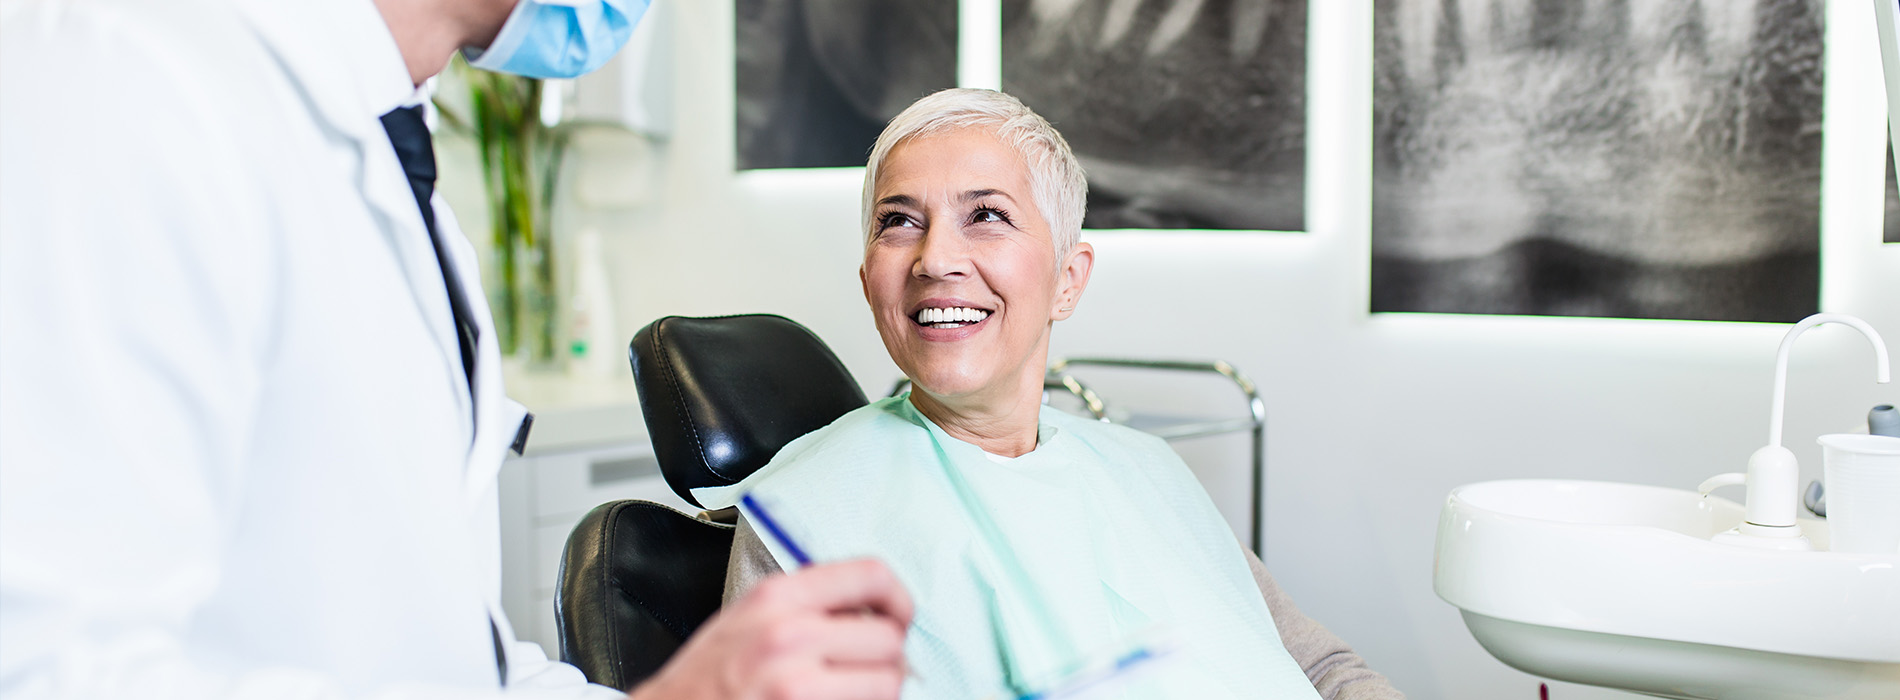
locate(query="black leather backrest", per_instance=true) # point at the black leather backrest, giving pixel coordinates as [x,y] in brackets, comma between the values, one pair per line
[722,395]
[637,579]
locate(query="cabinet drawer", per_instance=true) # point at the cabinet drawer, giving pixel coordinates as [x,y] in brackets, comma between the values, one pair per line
[549,541]
[568,485]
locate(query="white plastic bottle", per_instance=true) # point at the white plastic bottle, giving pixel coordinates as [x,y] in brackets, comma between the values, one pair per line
[591,341]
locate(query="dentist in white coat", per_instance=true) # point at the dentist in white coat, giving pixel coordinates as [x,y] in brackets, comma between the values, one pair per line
[250,422]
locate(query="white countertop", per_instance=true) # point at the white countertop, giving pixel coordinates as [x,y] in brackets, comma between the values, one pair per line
[573,412]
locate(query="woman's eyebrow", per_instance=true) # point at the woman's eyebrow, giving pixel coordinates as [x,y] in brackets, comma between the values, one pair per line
[902,200]
[973,195]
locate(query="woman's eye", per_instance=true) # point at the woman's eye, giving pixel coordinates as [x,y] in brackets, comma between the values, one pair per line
[893,220]
[989,216]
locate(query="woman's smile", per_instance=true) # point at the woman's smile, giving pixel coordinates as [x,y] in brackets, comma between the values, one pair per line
[946,320]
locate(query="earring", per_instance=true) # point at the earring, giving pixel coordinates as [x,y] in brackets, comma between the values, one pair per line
[1066,309]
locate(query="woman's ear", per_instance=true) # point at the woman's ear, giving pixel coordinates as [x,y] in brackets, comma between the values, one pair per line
[1073,278]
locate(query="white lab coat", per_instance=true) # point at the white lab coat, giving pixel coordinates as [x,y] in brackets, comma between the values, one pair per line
[236,450]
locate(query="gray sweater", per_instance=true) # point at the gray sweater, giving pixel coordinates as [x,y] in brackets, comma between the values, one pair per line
[1336,672]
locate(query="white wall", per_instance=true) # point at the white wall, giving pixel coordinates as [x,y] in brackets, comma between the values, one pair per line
[1373,419]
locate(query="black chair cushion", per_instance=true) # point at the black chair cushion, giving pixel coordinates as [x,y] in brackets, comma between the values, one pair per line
[637,579]
[722,395]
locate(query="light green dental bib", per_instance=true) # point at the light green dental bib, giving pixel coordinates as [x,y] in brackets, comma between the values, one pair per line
[1114,537]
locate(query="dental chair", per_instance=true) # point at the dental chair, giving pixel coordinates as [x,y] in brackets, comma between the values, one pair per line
[720,397]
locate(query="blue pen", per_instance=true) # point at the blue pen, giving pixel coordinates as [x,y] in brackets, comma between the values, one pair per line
[1088,679]
[773,530]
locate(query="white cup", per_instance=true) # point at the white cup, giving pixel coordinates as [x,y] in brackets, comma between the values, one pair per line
[1863,493]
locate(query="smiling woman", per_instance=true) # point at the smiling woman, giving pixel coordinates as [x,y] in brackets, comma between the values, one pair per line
[1034,542]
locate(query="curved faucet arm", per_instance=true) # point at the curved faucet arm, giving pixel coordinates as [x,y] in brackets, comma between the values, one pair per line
[1721,480]
[1881,364]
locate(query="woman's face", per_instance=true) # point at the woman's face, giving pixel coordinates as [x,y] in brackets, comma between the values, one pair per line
[961,272]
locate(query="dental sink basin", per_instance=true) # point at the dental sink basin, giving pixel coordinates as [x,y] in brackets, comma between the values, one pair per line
[1619,585]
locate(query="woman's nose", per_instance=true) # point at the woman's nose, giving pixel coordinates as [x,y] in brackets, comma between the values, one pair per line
[944,254]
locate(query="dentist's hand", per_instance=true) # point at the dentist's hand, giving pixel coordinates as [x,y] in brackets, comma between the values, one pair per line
[828,632]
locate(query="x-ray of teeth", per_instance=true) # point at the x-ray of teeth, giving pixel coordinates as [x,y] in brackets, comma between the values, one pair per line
[817,80]
[1187,114]
[1620,158]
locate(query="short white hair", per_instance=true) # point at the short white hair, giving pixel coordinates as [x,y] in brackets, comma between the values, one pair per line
[1055,177]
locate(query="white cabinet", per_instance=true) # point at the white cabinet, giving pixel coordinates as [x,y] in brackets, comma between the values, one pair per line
[542,496]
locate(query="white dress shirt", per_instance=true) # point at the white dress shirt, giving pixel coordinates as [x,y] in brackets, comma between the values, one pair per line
[236,450]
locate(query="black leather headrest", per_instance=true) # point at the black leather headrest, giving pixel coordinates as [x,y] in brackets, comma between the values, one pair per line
[722,395]
[637,579]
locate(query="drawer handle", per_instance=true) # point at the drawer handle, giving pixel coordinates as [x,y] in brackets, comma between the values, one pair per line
[616,470]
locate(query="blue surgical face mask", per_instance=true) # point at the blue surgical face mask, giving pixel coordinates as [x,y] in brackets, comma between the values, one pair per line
[559,38]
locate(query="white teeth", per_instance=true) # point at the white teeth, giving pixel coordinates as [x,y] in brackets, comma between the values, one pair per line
[956,314]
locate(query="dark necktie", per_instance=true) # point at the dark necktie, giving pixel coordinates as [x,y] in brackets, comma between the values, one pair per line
[410,135]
